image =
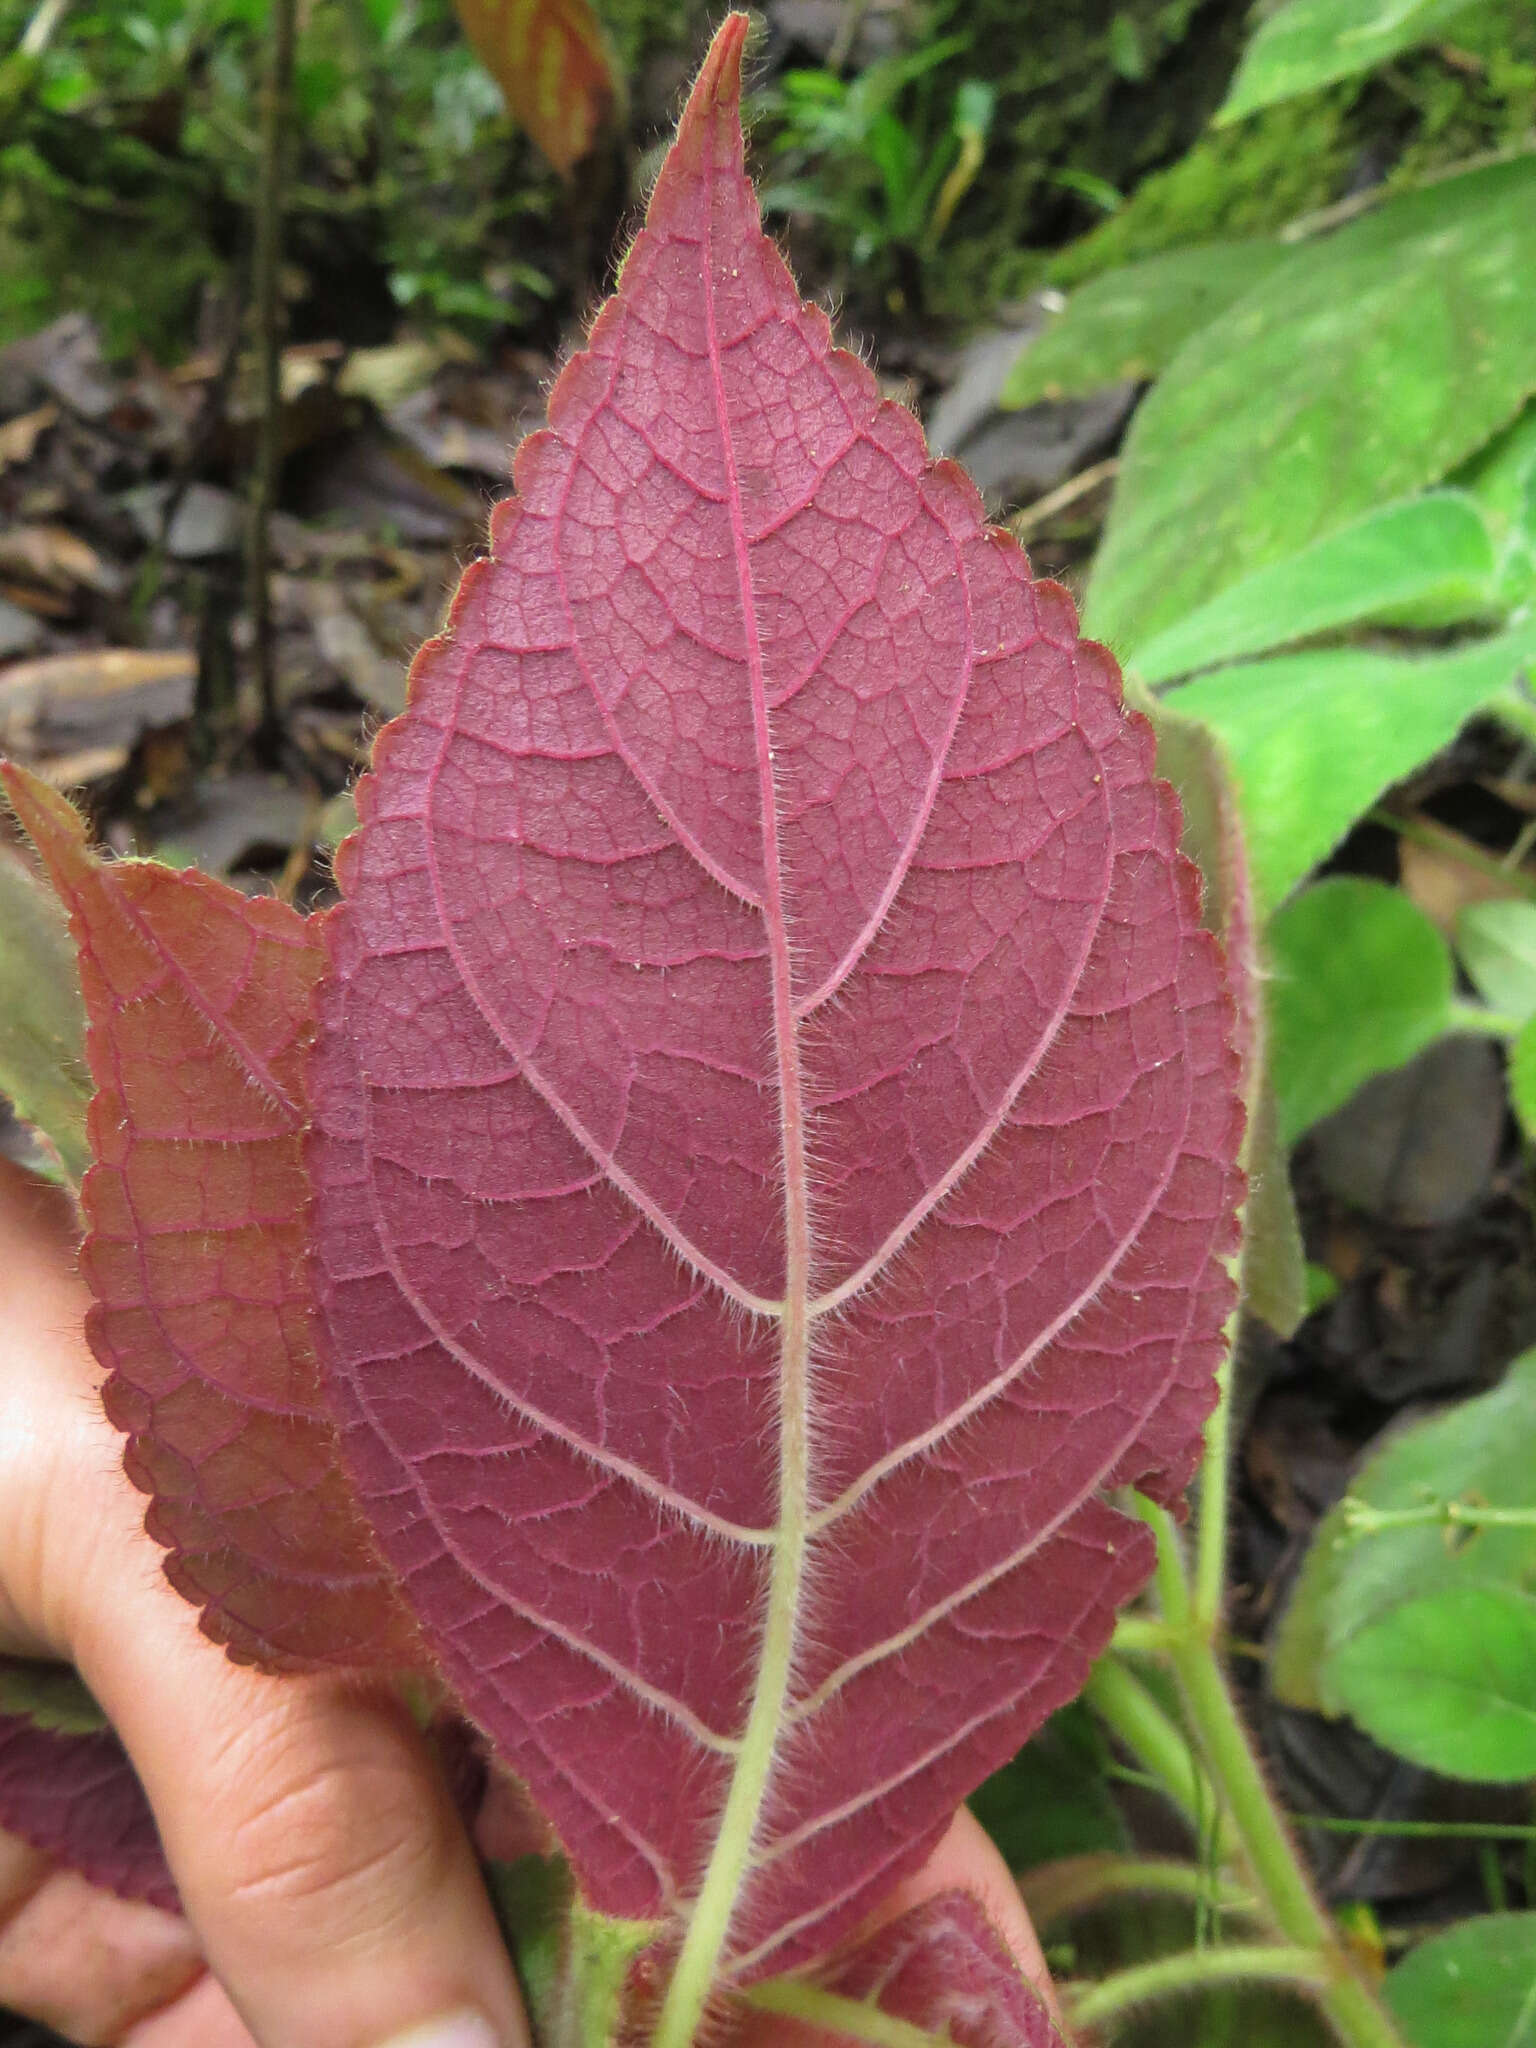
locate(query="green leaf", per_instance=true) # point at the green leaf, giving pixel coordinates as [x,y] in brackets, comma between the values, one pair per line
[1053,1800]
[532,1899]
[1472,1987]
[1361,982]
[1362,370]
[1433,550]
[1502,478]
[42,1022]
[1312,42]
[1274,1258]
[1315,738]
[1131,322]
[1480,1450]
[1193,760]
[51,1696]
[1449,1681]
[573,1964]
[1497,944]
[1522,1080]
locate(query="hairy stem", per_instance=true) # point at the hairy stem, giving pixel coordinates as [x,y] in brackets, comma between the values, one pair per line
[853,2018]
[1215,1485]
[1246,1807]
[1197,1969]
[709,1923]
[1247,1817]
[1134,1717]
[1057,1891]
[1357,2016]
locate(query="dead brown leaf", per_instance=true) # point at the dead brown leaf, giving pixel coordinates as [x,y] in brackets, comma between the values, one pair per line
[103,698]
[19,436]
[1446,875]
[56,558]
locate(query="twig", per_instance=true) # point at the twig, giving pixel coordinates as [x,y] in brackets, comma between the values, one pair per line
[39,30]
[1437,838]
[276,92]
[849,24]
[1023,524]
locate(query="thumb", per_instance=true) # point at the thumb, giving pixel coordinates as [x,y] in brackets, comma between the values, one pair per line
[316,1850]
[313,1841]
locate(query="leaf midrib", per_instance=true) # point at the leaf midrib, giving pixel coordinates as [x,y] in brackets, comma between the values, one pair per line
[730,1853]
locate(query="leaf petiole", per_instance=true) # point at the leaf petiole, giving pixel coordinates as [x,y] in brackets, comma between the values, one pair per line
[854,2018]
[1197,1970]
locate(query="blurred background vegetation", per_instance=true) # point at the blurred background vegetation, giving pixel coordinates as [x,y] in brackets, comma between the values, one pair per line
[127,165]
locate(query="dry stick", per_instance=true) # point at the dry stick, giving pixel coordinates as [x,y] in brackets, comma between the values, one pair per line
[276,91]
[1024,523]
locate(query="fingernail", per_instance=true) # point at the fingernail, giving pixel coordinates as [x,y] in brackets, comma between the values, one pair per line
[452,2030]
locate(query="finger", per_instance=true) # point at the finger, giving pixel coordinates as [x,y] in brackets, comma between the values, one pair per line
[86,1964]
[199,2017]
[315,1847]
[968,1860]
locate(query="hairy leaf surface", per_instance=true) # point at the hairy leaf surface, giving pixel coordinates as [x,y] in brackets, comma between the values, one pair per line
[775,1122]
[76,1798]
[1274,1264]
[198,1002]
[943,1967]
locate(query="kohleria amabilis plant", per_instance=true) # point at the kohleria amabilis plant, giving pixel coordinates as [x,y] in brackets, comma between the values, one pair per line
[770,1143]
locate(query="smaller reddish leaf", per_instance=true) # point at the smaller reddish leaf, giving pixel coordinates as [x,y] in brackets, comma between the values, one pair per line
[198,1007]
[76,1798]
[1195,762]
[551,60]
[943,1967]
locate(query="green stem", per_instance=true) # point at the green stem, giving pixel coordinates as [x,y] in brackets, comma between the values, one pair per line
[1197,1969]
[1419,1830]
[1467,1016]
[1171,1575]
[1139,1635]
[1360,1519]
[1215,1477]
[1357,2017]
[852,2017]
[1154,1738]
[1057,1891]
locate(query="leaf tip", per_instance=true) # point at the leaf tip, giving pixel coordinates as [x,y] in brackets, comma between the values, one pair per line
[51,822]
[710,130]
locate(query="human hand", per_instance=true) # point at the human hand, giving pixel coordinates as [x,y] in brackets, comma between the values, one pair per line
[333,1899]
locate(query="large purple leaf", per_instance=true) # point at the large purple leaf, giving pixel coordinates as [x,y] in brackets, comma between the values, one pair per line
[775,1115]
